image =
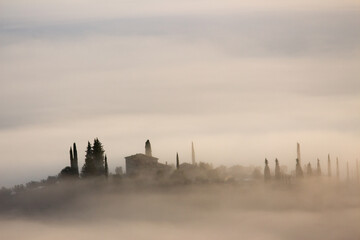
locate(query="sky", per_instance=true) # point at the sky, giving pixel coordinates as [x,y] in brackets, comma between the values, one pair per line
[243,81]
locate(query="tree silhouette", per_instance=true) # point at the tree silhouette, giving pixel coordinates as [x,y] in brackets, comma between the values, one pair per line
[177,161]
[267,175]
[277,170]
[192,154]
[72,170]
[318,169]
[299,172]
[309,169]
[75,166]
[106,167]
[94,160]
[89,168]
[71,157]
[98,156]
[148,151]
[329,166]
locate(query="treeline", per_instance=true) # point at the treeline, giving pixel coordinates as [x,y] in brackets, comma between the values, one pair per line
[308,171]
[299,173]
[95,162]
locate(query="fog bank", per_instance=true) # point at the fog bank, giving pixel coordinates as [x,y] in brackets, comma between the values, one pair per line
[307,210]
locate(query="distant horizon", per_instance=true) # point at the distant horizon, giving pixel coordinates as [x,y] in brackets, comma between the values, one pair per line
[290,168]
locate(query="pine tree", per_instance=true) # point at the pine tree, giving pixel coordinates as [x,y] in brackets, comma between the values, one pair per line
[98,156]
[89,168]
[267,175]
[277,170]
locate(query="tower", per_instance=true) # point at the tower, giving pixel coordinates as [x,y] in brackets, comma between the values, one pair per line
[148,151]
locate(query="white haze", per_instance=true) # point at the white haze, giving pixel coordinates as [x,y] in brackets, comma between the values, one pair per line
[310,210]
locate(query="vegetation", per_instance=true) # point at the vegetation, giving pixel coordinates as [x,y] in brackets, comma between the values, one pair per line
[299,171]
[95,162]
[277,170]
[267,175]
[96,167]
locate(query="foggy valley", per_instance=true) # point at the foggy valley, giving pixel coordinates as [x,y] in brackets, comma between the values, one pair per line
[312,209]
[183,201]
[226,91]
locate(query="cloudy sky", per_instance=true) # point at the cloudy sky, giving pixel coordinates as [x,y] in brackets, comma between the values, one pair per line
[244,81]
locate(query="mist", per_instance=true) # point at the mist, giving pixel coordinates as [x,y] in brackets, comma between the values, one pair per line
[243,81]
[312,209]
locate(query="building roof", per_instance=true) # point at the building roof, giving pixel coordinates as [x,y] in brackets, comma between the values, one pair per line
[186,165]
[141,156]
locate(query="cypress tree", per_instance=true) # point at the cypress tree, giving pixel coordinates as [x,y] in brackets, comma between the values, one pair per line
[337,169]
[299,172]
[76,164]
[71,157]
[318,169]
[309,169]
[68,171]
[298,153]
[277,170]
[148,151]
[177,161]
[329,166]
[106,167]
[192,154]
[267,175]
